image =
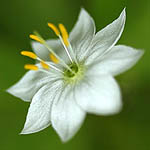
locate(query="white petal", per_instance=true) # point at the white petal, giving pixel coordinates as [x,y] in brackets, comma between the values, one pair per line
[82,33]
[67,116]
[99,95]
[38,116]
[43,52]
[29,84]
[107,37]
[119,59]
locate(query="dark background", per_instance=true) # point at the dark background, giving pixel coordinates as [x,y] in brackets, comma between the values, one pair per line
[129,130]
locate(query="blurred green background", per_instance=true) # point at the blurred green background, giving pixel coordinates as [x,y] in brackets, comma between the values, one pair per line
[129,130]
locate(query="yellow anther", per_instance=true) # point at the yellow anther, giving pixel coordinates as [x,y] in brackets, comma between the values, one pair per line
[36,38]
[31,67]
[64,34]
[63,30]
[44,65]
[54,59]
[54,28]
[29,54]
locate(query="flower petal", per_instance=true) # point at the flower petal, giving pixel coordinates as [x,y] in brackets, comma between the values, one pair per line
[99,95]
[119,59]
[38,116]
[31,82]
[66,116]
[106,38]
[43,52]
[82,33]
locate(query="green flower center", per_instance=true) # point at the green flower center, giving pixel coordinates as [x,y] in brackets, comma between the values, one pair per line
[75,75]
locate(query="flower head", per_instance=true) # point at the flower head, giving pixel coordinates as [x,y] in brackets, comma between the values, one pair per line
[74,75]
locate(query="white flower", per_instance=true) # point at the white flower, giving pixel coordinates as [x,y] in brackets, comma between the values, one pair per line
[78,79]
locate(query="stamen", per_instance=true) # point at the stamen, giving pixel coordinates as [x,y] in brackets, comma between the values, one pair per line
[64,34]
[36,38]
[54,59]
[73,53]
[49,48]
[48,66]
[54,28]
[29,54]
[64,39]
[44,65]
[31,67]
[66,43]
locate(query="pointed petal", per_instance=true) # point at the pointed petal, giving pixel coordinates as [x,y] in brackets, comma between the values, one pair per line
[105,39]
[99,95]
[29,84]
[43,52]
[82,33]
[38,116]
[118,60]
[67,116]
